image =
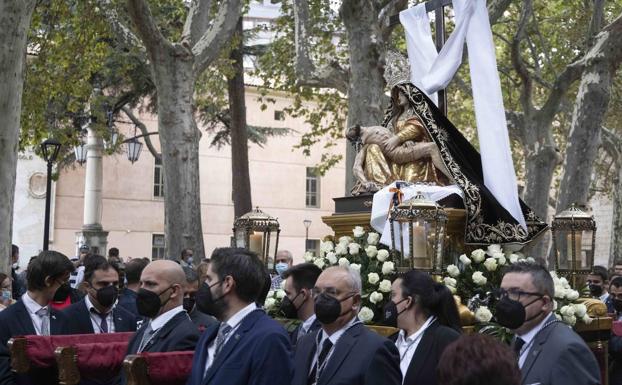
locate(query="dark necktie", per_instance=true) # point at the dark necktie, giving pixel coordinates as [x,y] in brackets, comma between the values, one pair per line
[326,346]
[103,325]
[223,331]
[518,345]
[146,338]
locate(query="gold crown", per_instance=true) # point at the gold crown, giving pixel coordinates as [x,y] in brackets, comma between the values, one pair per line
[396,69]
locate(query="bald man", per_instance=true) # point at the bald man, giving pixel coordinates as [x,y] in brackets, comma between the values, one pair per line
[160,300]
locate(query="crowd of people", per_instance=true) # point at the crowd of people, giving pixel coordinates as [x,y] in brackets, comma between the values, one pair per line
[215,308]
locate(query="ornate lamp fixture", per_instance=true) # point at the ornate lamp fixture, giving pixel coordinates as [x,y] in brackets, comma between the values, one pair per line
[418,229]
[257,232]
[133,149]
[574,238]
[80,152]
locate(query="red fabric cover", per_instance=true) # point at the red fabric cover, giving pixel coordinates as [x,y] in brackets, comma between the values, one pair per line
[169,368]
[102,360]
[616,328]
[40,349]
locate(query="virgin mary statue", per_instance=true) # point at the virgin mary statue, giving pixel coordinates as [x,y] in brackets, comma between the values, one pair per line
[416,143]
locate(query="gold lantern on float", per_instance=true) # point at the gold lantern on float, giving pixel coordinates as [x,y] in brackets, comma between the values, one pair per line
[574,239]
[258,232]
[418,229]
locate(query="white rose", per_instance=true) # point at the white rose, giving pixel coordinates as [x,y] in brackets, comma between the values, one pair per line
[572,294]
[452,289]
[513,258]
[375,297]
[494,249]
[562,280]
[341,249]
[309,256]
[382,255]
[332,259]
[371,251]
[270,294]
[356,267]
[373,238]
[387,268]
[450,281]
[326,246]
[478,278]
[269,304]
[465,260]
[478,255]
[280,294]
[453,270]
[587,319]
[554,305]
[491,264]
[366,314]
[501,260]
[345,240]
[373,278]
[385,286]
[560,292]
[567,310]
[319,262]
[358,231]
[530,260]
[483,314]
[569,319]
[579,310]
[354,248]
[558,316]
[343,262]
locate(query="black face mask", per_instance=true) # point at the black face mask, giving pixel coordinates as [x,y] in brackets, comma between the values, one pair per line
[189,304]
[62,293]
[595,290]
[328,308]
[617,305]
[511,314]
[107,296]
[288,309]
[208,305]
[390,313]
[149,303]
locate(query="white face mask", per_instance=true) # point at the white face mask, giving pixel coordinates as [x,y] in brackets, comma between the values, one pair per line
[6,295]
[16,266]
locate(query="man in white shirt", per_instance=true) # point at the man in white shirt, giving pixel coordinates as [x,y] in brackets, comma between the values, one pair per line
[598,281]
[247,346]
[298,301]
[32,314]
[549,352]
[343,351]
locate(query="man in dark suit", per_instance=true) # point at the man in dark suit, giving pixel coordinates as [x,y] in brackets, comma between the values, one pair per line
[298,301]
[127,297]
[160,300]
[344,351]
[32,313]
[549,352]
[247,347]
[97,313]
[200,319]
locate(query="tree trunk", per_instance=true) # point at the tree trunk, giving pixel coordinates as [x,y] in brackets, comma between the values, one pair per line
[366,87]
[179,137]
[240,178]
[615,251]
[15,19]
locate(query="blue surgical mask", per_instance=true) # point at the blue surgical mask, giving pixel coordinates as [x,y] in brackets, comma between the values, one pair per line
[190,260]
[281,267]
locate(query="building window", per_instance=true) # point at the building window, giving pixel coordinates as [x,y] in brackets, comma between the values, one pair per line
[157,246]
[313,188]
[279,115]
[313,245]
[158,179]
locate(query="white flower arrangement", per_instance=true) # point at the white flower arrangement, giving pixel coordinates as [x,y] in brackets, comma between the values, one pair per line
[478,255]
[479,279]
[319,262]
[309,256]
[356,267]
[280,294]
[375,297]
[388,268]
[371,251]
[270,303]
[331,257]
[465,260]
[341,249]
[483,314]
[326,246]
[373,238]
[343,262]
[366,314]
[373,278]
[385,286]
[345,240]
[490,264]
[453,271]
[382,255]
[358,232]
[354,248]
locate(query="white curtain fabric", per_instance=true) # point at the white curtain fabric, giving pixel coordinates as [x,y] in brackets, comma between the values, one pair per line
[432,71]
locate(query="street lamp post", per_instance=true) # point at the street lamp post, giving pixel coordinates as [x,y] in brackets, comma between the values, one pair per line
[307,223]
[50,149]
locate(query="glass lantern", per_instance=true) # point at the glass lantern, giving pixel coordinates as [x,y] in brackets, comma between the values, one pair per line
[259,233]
[418,230]
[574,238]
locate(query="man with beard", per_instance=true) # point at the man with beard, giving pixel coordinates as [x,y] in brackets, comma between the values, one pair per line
[548,351]
[247,347]
[160,300]
[597,281]
[32,313]
[200,319]
[97,312]
[298,301]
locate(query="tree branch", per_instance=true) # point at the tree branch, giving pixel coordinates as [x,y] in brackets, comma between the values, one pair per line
[517,61]
[391,8]
[123,32]
[149,32]
[597,20]
[496,8]
[330,75]
[197,21]
[223,25]
[612,144]
[143,129]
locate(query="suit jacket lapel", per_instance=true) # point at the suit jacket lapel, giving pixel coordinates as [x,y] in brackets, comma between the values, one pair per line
[536,348]
[24,318]
[421,352]
[85,314]
[164,330]
[118,322]
[340,352]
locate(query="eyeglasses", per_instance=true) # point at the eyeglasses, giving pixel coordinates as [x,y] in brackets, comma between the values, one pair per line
[515,294]
[329,290]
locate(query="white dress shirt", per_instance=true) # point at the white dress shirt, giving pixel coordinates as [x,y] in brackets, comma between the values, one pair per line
[234,322]
[163,318]
[33,307]
[304,328]
[96,319]
[334,338]
[528,338]
[408,345]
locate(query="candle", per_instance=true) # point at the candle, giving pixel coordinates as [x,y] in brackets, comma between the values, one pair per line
[419,246]
[577,250]
[255,243]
